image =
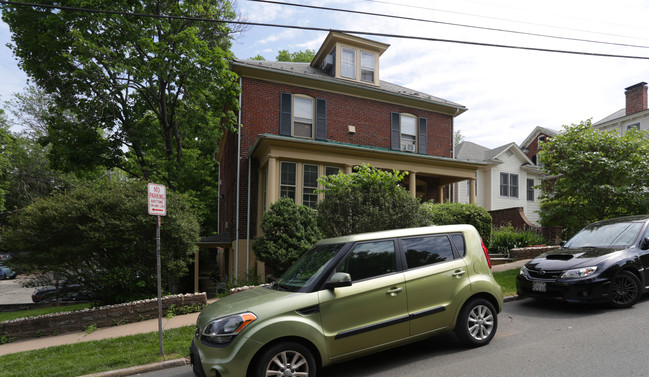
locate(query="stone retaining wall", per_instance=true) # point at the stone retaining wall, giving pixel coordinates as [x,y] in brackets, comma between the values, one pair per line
[529,252]
[104,316]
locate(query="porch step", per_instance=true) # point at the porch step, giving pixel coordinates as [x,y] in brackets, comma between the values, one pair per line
[500,259]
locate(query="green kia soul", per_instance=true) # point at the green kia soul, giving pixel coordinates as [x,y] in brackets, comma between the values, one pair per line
[351,296]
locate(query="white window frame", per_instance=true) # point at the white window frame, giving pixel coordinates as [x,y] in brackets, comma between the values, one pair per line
[530,189]
[507,188]
[365,69]
[347,68]
[286,185]
[308,191]
[297,119]
[410,142]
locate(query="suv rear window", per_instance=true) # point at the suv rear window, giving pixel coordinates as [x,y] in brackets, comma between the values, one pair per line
[422,251]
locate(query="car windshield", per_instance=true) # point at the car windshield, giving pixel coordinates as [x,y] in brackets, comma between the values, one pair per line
[306,270]
[606,236]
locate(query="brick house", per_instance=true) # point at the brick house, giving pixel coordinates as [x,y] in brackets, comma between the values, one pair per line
[299,121]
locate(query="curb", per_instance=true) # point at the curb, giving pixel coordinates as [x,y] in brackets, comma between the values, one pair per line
[142,368]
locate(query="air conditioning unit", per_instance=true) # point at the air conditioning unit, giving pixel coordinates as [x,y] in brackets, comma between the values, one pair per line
[408,147]
[328,63]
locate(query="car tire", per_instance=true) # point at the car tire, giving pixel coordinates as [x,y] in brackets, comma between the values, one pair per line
[286,359]
[477,323]
[625,290]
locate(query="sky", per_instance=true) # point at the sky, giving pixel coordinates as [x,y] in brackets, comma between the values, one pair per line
[508,92]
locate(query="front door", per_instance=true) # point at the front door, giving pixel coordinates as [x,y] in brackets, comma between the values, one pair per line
[372,311]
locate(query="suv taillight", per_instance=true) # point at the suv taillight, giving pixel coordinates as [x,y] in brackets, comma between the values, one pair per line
[486,253]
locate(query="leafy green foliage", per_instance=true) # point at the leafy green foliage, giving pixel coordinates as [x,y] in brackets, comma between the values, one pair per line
[506,238]
[595,175]
[297,56]
[366,200]
[289,230]
[6,143]
[99,233]
[458,213]
[151,96]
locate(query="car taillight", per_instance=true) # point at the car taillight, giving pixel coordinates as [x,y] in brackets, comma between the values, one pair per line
[486,253]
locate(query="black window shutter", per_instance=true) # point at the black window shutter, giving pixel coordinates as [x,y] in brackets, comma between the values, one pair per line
[285,114]
[320,119]
[395,131]
[423,136]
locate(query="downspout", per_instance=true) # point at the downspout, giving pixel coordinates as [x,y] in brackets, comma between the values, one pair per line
[236,239]
[452,188]
[248,221]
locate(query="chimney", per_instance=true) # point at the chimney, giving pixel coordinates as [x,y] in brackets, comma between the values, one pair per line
[636,98]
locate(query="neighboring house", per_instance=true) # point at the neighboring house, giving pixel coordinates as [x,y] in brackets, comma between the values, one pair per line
[505,184]
[634,115]
[532,143]
[300,121]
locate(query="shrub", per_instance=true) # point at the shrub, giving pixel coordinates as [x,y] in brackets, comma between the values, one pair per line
[458,213]
[367,200]
[289,230]
[506,238]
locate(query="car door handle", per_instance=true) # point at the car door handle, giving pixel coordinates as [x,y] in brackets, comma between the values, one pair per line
[394,291]
[459,273]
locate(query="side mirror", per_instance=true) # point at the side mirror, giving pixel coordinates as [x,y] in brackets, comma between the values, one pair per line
[339,279]
[562,243]
[644,244]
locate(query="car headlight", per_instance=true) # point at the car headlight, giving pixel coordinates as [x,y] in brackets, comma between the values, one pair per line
[523,271]
[578,272]
[222,330]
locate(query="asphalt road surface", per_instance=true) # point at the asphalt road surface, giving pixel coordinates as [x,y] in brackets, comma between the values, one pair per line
[11,292]
[534,339]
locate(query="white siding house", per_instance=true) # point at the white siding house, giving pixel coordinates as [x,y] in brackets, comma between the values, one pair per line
[507,180]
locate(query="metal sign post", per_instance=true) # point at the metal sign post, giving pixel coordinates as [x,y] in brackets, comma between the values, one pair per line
[157,198]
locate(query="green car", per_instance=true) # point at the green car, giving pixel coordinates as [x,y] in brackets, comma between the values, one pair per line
[351,296]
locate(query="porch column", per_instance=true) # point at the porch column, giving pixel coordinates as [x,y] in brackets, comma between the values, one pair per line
[348,169]
[272,191]
[440,193]
[413,184]
[472,193]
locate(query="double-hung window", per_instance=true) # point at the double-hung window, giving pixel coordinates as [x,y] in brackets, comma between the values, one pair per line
[288,180]
[530,190]
[367,66]
[509,185]
[408,133]
[309,185]
[348,63]
[303,117]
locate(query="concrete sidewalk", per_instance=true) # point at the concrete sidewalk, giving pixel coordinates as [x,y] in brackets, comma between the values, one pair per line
[140,328]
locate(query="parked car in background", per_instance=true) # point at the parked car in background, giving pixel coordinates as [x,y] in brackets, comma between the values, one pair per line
[607,261]
[351,296]
[7,273]
[67,292]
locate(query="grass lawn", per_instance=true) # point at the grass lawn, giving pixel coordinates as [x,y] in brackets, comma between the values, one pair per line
[98,356]
[507,281]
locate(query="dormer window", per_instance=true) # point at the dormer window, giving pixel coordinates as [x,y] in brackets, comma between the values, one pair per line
[367,67]
[347,57]
[348,68]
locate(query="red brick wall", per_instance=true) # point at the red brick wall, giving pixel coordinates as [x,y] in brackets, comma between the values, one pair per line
[636,98]
[260,112]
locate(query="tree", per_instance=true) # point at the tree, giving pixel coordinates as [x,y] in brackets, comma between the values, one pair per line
[6,145]
[149,95]
[258,57]
[594,175]
[100,234]
[298,56]
[289,230]
[366,200]
[458,138]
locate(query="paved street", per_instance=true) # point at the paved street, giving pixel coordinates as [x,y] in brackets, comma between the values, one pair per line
[534,339]
[11,292]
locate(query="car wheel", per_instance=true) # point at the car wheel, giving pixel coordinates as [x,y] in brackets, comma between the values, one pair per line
[625,290]
[286,359]
[477,323]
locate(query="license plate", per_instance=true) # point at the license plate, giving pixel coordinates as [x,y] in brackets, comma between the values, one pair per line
[539,286]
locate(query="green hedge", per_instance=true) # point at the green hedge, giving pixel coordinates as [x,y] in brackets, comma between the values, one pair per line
[458,213]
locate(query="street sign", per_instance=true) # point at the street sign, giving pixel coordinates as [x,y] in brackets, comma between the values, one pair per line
[157,200]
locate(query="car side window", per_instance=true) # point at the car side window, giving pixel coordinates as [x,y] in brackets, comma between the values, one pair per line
[369,259]
[423,251]
[458,242]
